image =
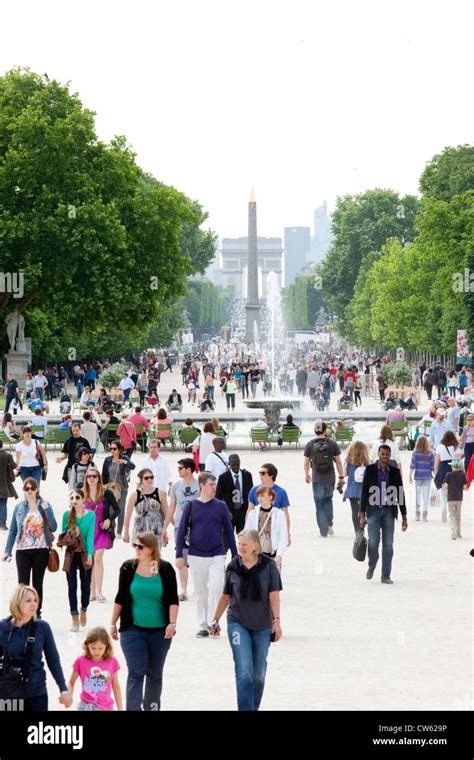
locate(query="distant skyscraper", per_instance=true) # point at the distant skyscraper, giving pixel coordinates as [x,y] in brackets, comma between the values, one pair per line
[297,244]
[321,242]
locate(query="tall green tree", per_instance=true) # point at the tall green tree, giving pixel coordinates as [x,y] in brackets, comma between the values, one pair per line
[449,173]
[361,225]
[99,242]
[301,303]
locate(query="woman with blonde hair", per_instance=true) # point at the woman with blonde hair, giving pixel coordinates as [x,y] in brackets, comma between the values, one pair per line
[103,503]
[24,639]
[79,523]
[147,605]
[387,437]
[421,468]
[252,594]
[357,459]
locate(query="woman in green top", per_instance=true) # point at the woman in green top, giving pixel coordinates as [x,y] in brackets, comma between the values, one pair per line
[81,522]
[230,388]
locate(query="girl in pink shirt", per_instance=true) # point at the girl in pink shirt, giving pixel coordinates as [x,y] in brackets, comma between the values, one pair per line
[97,669]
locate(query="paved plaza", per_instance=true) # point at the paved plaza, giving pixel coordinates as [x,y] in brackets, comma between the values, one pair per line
[348,643]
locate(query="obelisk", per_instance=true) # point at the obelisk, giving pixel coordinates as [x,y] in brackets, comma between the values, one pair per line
[252,306]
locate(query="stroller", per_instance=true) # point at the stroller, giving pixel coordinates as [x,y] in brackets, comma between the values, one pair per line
[65,404]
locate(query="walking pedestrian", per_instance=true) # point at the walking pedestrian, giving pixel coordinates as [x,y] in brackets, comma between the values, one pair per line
[322,454]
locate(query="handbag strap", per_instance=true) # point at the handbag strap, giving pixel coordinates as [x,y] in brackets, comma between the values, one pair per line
[260,532]
[27,651]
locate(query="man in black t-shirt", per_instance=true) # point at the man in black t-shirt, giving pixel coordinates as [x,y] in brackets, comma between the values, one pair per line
[11,391]
[71,449]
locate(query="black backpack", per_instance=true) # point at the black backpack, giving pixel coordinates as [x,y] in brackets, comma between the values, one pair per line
[321,458]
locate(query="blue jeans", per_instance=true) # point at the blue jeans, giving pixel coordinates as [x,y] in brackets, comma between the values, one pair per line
[422,494]
[3,511]
[31,472]
[145,652]
[249,650]
[322,494]
[39,393]
[126,394]
[86,577]
[79,389]
[383,520]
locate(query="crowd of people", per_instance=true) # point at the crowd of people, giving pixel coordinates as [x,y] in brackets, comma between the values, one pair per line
[216,511]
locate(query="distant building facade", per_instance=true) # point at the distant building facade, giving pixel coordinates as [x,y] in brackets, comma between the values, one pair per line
[297,251]
[234,258]
[321,241]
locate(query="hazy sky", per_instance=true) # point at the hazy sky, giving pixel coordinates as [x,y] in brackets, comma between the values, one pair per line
[303,100]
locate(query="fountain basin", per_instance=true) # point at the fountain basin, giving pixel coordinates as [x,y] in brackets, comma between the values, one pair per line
[272,408]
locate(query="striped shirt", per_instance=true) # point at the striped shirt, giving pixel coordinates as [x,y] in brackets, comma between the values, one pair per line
[422,465]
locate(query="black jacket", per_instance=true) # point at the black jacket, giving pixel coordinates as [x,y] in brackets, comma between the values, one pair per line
[170,398]
[370,498]
[226,488]
[124,596]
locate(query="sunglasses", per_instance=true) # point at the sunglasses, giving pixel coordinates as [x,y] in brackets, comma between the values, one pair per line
[262,472]
[139,547]
[180,467]
[92,476]
[148,477]
[29,488]
[75,498]
[114,448]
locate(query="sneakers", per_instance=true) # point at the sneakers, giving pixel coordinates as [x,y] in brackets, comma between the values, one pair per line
[418,517]
[101,598]
[202,634]
[370,573]
[331,531]
[385,580]
[459,534]
[425,516]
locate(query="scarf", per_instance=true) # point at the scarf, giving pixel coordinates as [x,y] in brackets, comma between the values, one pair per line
[249,585]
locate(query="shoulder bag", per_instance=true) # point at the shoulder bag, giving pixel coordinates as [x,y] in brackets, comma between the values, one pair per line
[53,561]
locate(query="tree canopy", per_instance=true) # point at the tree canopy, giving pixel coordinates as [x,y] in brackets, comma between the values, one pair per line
[103,246]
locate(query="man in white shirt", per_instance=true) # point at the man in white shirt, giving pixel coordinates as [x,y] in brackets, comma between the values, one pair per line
[159,467]
[439,427]
[217,461]
[454,414]
[126,385]
[89,431]
[40,384]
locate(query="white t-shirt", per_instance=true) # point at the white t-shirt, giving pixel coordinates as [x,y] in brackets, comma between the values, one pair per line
[125,383]
[160,469]
[89,432]
[205,446]
[216,463]
[374,454]
[40,421]
[445,452]
[40,381]
[28,454]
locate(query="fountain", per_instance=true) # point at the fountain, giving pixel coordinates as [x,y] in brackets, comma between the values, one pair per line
[275,339]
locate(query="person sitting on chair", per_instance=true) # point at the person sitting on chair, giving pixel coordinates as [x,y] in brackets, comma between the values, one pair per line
[391,401]
[320,399]
[175,402]
[345,402]
[206,404]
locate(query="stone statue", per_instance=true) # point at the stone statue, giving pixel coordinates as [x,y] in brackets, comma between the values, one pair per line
[15,324]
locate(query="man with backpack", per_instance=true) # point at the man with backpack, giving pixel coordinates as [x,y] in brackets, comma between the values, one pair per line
[322,454]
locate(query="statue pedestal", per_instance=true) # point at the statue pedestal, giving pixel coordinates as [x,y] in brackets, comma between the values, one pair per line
[17,365]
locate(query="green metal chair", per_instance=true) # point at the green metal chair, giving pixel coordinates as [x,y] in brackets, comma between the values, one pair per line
[7,443]
[345,435]
[291,435]
[141,435]
[56,437]
[187,436]
[401,430]
[259,435]
[165,427]
[111,433]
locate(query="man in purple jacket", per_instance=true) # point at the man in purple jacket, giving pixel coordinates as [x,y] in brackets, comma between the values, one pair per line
[201,526]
